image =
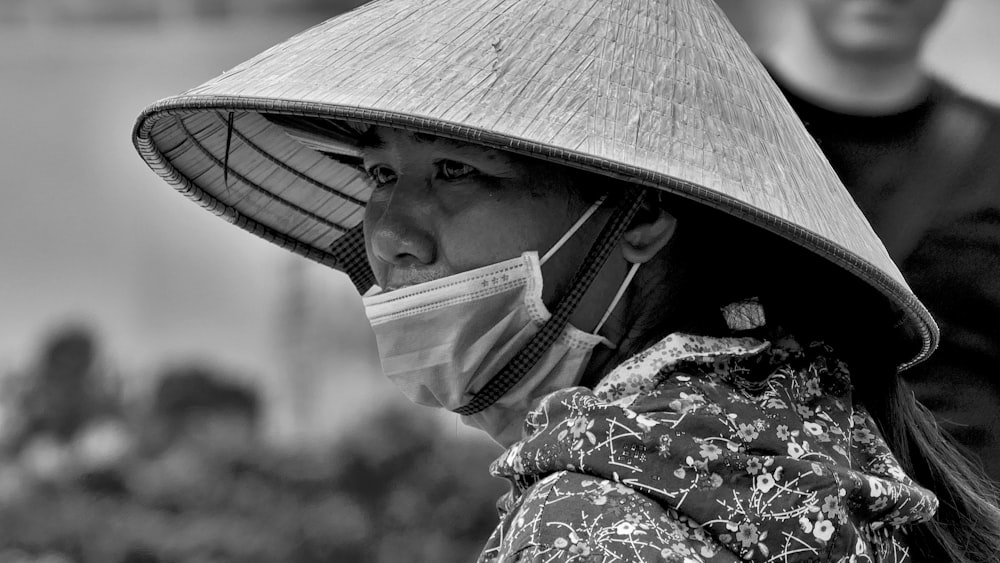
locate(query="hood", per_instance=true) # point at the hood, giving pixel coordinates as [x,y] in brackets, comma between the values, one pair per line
[760,443]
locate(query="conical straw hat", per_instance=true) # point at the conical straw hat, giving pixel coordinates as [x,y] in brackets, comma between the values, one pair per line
[662,92]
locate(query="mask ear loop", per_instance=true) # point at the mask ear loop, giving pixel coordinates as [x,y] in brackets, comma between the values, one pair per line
[572,230]
[618,296]
[527,357]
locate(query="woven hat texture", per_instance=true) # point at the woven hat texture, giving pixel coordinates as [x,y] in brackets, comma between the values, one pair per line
[660,92]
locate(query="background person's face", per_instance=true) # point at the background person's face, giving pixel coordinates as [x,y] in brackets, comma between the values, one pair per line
[441,207]
[883,29]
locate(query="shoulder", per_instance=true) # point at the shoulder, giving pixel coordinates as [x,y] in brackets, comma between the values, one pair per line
[574,517]
[977,107]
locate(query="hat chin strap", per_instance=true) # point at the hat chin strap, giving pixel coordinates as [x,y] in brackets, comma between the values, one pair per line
[527,357]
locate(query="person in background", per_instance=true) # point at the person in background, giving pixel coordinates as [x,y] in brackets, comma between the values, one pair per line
[595,230]
[922,160]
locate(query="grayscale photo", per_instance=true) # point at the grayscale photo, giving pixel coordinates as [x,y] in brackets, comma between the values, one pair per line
[500,281]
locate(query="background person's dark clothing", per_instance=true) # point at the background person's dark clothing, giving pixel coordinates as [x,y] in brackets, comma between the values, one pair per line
[938,209]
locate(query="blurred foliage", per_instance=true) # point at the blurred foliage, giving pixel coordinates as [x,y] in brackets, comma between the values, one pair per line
[183,479]
[68,387]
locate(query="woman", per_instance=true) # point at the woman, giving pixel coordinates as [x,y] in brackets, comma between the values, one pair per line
[596,231]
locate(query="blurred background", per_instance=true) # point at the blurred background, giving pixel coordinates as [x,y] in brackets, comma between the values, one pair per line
[172,388]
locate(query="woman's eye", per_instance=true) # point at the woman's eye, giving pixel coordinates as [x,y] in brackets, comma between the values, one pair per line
[451,170]
[381,175]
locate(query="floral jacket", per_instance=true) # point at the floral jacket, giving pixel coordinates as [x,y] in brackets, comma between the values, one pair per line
[707,449]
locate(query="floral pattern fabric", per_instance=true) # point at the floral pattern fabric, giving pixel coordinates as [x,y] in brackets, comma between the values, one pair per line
[707,449]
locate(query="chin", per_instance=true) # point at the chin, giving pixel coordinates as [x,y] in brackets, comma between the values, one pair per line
[885,32]
[874,45]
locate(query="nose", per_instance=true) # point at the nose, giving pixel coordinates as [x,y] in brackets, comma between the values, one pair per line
[399,226]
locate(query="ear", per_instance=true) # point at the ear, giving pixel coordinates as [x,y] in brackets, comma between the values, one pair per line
[650,231]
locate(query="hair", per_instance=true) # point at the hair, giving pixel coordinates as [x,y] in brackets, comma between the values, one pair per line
[966,528]
[806,296]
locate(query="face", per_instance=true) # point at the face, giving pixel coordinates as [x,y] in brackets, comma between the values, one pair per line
[441,207]
[888,29]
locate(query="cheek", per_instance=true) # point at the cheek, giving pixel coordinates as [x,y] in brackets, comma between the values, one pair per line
[373,211]
[503,230]
[836,19]
[823,12]
[473,240]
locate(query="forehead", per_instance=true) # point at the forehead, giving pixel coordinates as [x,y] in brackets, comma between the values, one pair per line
[386,139]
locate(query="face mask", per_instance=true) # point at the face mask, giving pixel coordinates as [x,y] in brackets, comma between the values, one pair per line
[443,340]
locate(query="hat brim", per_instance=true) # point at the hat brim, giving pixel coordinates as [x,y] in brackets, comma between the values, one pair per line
[664,95]
[321,223]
